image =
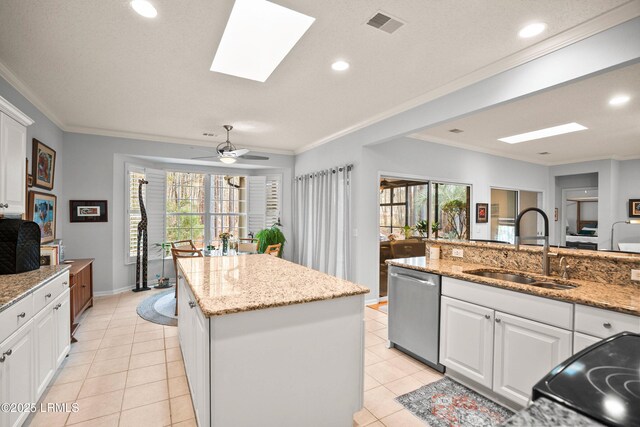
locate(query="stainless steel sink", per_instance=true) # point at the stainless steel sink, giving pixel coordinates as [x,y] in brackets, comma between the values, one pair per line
[519,278]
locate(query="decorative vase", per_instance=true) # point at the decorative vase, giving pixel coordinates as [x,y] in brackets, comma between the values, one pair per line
[225,246]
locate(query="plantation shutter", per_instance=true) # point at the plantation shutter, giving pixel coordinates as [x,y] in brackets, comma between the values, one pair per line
[256,203]
[273,185]
[155,206]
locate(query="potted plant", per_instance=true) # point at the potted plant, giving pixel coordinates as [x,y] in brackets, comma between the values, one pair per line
[163,248]
[422,227]
[407,231]
[270,236]
[225,241]
[435,226]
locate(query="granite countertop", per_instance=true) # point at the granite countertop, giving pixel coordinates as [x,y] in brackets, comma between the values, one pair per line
[14,287]
[544,412]
[233,284]
[622,298]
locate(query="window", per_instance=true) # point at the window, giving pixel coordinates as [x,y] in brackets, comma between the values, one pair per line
[185,207]
[133,208]
[450,204]
[228,206]
[402,203]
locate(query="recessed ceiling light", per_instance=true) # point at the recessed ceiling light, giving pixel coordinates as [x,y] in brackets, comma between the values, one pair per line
[619,100]
[532,30]
[258,36]
[144,8]
[340,65]
[543,133]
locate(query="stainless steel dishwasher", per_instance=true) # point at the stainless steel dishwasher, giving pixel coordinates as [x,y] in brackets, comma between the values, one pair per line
[414,314]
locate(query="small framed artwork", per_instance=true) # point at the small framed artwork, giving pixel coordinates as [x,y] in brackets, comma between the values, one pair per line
[482,213]
[88,211]
[48,255]
[44,165]
[634,208]
[555,214]
[42,211]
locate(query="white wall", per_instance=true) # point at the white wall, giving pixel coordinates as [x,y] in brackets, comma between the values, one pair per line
[628,188]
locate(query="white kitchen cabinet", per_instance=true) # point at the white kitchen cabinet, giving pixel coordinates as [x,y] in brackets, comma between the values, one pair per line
[17,374]
[62,326]
[604,323]
[524,352]
[582,341]
[13,152]
[44,334]
[466,339]
[193,334]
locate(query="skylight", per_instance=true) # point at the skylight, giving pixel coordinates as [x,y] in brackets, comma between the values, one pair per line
[258,36]
[543,133]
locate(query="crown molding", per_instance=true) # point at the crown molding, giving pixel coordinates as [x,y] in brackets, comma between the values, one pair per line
[617,16]
[10,110]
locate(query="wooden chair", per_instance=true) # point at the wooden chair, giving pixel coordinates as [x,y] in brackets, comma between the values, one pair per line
[182,253]
[248,245]
[184,244]
[273,249]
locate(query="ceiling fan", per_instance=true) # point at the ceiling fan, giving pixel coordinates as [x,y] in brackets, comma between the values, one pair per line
[227,152]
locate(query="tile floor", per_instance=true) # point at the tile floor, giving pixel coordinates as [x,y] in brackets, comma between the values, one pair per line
[125,371]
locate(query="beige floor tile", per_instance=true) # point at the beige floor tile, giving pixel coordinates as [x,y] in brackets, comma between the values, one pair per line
[427,376]
[403,418]
[75,359]
[61,393]
[380,401]
[90,317]
[178,386]
[146,375]
[125,315]
[384,372]
[102,311]
[363,418]
[371,325]
[148,327]
[370,340]
[93,326]
[173,354]
[71,374]
[370,382]
[116,341]
[175,369]
[171,342]
[83,346]
[148,336]
[382,333]
[49,419]
[97,406]
[376,424]
[153,415]
[108,421]
[188,423]
[112,352]
[370,358]
[170,331]
[181,409]
[384,320]
[147,359]
[106,367]
[147,346]
[145,394]
[405,365]
[383,352]
[403,385]
[113,331]
[118,323]
[103,384]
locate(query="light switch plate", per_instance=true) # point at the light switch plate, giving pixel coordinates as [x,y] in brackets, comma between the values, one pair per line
[457,253]
[635,275]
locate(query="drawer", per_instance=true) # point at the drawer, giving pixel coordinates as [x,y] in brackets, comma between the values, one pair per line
[50,291]
[604,323]
[16,316]
[544,310]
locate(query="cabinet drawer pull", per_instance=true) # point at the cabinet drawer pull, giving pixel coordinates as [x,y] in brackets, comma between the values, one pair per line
[23,314]
[47,296]
[83,286]
[5,354]
[65,283]
[607,325]
[498,320]
[8,352]
[57,306]
[192,304]
[486,316]
[6,205]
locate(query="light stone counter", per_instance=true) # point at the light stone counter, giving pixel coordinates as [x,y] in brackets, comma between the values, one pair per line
[14,287]
[232,284]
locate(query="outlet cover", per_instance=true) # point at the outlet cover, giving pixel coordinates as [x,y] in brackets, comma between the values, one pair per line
[635,275]
[457,253]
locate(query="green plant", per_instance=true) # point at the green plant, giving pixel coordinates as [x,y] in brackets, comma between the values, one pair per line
[270,236]
[407,231]
[422,227]
[435,226]
[455,212]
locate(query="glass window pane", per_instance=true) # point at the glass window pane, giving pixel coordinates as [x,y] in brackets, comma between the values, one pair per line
[398,216]
[385,196]
[385,215]
[451,208]
[399,195]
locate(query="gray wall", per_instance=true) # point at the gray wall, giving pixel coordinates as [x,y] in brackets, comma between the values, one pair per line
[628,188]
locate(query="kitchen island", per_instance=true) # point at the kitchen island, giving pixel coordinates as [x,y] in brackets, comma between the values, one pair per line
[268,342]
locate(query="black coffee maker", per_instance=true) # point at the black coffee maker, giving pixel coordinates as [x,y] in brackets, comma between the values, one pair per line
[19,246]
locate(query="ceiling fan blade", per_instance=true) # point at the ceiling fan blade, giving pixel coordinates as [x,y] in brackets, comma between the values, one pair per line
[237,153]
[252,157]
[204,157]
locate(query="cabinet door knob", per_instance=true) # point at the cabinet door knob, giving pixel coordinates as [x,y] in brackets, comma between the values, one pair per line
[6,205]
[47,296]
[23,314]
[65,283]
[57,306]
[192,304]
[486,316]
[498,320]
[607,325]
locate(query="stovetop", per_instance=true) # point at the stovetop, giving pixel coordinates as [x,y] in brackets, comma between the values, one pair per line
[602,381]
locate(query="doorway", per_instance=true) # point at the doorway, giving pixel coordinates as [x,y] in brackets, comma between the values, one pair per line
[505,206]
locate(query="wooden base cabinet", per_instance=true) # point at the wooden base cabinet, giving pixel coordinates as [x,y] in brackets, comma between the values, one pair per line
[81,275]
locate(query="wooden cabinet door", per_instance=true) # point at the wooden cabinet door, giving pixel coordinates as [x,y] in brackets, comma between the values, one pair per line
[44,348]
[18,379]
[13,151]
[525,351]
[466,339]
[62,326]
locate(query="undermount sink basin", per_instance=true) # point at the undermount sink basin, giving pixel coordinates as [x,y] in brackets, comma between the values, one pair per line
[518,278]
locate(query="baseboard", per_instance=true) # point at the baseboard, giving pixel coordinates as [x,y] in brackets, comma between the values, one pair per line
[120,290]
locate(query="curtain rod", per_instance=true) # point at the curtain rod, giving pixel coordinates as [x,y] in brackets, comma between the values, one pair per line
[334,169]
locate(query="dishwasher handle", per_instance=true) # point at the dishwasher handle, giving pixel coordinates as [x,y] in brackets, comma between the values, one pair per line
[415,279]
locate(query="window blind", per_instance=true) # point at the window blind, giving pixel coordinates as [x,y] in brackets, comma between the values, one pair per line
[256,203]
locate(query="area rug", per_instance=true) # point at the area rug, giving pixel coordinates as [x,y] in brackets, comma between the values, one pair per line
[447,403]
[159,308]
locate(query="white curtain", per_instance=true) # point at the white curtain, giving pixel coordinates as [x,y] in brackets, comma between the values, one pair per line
[322,221]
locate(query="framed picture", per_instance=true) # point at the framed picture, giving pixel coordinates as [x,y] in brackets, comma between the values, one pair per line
[48,255]
[88,210]
[44,165]
[555,214]
[634,208]
[482,213]
[42,211]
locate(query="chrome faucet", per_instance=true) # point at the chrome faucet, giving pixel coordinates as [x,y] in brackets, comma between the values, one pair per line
[564,268]
[545,238]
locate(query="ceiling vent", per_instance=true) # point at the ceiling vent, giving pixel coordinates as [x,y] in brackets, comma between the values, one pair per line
[456,130]
[544,153]
[384,22]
